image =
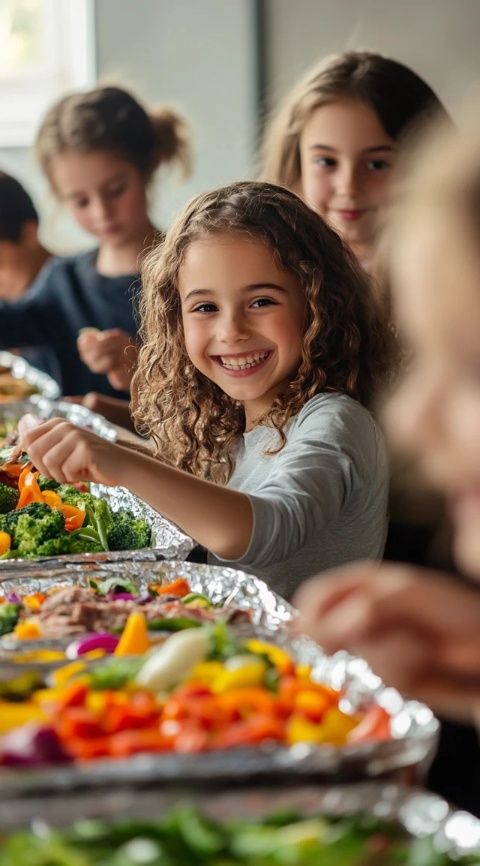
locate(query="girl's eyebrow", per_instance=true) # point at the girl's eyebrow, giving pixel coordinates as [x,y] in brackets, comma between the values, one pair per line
[114,178]
[376,149]
[253,287]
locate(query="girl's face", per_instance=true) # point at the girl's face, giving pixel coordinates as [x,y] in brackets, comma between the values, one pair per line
[436,413]
[105,194]
[346,159]
[243,318]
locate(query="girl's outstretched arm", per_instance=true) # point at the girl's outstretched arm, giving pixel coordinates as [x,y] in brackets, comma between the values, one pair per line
[216,517]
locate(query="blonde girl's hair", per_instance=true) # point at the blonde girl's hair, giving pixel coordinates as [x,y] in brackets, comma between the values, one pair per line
[346,344]
[110,119]
[399,97]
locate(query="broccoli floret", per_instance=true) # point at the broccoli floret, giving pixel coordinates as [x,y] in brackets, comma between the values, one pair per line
[9,614]
[36,510]
[68,543]
[29,527]
[128,532]
[8,498]
[70,495]
[54,546]
[45,483]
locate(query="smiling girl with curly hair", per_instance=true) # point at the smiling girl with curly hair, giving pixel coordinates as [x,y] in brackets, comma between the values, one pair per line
[263,349]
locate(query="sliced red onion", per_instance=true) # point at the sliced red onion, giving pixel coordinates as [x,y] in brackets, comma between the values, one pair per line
[121,596]
[102,640]
[13,598]
[30,745]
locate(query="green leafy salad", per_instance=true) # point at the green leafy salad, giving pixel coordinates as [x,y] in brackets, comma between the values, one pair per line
[184,837]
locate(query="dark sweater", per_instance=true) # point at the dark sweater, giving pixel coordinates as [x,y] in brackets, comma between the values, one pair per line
[69,294]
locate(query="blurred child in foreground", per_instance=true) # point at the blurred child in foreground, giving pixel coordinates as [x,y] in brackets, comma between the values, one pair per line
[420,629]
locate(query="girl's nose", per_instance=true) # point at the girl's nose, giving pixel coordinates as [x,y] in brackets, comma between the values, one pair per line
[232,326]
[347,179]
[101,208]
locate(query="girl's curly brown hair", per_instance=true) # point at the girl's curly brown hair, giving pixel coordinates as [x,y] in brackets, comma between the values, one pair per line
[346,346]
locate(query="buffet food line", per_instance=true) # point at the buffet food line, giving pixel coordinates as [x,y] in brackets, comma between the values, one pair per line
[159,711]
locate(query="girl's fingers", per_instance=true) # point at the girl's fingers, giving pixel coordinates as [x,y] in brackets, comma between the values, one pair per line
[31,435]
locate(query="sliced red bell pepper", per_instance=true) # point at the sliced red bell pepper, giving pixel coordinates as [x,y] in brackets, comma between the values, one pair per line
[375,725]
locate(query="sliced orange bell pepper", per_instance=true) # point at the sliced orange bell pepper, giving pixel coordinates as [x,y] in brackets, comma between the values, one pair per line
[179,587]
[134,639]
[52,499]
[14,470]
[74,517]
[5,542]
[28,487]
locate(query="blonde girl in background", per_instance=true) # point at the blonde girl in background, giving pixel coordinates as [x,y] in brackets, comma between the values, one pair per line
[419,629]
[335,139]
[99,150]
[262,351]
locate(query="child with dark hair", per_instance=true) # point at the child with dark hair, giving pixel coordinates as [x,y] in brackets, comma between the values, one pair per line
[22,256]
[99,151]
[263,349]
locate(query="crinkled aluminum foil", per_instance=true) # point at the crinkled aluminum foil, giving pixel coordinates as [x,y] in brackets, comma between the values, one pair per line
[20,369]
[415,729]
[168,541]
[419,812]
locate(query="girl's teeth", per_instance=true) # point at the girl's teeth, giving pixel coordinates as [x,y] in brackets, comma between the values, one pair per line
[245,363]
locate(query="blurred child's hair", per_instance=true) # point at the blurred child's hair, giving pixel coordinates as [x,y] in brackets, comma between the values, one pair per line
[110,119]
[16,208]
[346,346]
[441,176]
[398,96]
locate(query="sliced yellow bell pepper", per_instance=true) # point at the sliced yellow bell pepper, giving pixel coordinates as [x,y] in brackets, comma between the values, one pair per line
[278,657]
[250,674]
[13,715]
[134,639]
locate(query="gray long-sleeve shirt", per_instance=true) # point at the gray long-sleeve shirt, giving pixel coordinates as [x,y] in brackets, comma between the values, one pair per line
[321,501]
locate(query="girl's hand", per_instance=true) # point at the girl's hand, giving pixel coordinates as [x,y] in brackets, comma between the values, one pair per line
[112,352]
[417,629]
[69,454]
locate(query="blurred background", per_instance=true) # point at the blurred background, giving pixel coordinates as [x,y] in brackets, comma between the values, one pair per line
[223,62]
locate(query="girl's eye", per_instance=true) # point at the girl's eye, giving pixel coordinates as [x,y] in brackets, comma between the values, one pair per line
[378,164]
[262,302]
[326,161]
[205,308]
[80,203]
[116,191]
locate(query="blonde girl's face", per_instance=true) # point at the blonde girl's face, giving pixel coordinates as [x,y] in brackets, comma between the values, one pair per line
[243,318]
[436,413]
[105,194]
[346,160]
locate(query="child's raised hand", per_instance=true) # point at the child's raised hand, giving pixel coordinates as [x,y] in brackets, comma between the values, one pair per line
[69,454]
[417,629]
[112,352]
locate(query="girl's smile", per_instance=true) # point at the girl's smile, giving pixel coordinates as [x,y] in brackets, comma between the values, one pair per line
[244,365]
[242,317]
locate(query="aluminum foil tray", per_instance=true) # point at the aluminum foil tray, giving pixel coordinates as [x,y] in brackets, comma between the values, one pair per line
[168,541]
[415,729]
[419,812]
[20,369]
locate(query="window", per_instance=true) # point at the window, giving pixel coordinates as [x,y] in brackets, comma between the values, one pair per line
[46,47]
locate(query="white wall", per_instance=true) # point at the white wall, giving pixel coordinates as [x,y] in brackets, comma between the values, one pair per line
[439,39]
[195,54]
